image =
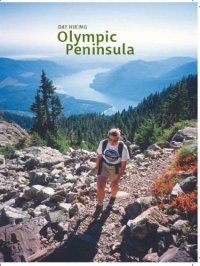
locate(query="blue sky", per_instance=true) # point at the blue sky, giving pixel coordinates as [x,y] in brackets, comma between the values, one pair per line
[155,30]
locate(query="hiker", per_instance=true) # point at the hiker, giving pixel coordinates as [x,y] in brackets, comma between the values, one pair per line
[112,156]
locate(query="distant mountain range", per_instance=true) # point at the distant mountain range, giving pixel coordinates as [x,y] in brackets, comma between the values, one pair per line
[137,79]
[19,80]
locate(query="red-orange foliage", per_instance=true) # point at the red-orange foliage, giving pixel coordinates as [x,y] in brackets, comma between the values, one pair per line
[164,184]
[187,163]
[186,202]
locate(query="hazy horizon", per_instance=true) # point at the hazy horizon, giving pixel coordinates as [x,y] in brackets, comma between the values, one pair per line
[155,30]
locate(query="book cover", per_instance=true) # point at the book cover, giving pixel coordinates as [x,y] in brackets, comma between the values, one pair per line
[69,72]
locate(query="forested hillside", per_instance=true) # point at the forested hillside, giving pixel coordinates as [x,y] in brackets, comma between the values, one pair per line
[148,120]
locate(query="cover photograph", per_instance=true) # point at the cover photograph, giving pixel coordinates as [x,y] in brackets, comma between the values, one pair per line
[98,131]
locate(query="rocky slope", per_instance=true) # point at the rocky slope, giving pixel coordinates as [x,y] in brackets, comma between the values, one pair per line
[48,198]
[11,133]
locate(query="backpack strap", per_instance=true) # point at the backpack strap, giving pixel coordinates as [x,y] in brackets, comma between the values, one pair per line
[104,144]
[120,148]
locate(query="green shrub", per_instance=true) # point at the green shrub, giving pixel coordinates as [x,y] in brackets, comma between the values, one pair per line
[36,140]
[8,151]
[147,134]
[22,143]
[58,142]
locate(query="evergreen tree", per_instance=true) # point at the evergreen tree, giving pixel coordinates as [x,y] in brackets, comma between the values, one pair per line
[47,108]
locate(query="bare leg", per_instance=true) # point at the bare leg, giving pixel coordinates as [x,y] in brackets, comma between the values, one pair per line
[101,184]
[114,188]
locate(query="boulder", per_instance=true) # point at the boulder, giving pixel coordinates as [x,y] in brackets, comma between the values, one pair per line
[189,184]
[139,157]
[176,190]
[175,254]
[18,242]
[32,163]
[162,230]
[187,133]
[59,195]
[40,210]
[11,133]
[46,156]
[57,216]
[32,192]
[152,257]
[175,144]
[71,197]
[82,168]
[180,226]
[141,204]
[45,193]
[153,154]
[146,223]
[64,206]
[38,192]
[12,215]
[154,147]
[38,178]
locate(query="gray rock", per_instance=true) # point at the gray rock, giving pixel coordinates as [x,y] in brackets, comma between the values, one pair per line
[154,147]
[2,161]
[71,197]
[174,254]
[45,193]
[11,133]
[163,230]
[176,190]
[77,209]
[189,184]
[11,215]
[40,210]
[173,218]
[70,178]
[146,223]
[64,206]
[38,178]
[46,156]
[59,195]
[187,133]
[82,168]
[136,208]
[38,191]
[32,192]
[57,216]
[139,157]
[32,163]
[59,166]
[180,226]
[175,144]
[152,257]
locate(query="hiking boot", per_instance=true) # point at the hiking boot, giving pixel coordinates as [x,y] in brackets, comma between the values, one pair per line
[111,202]
[98,211]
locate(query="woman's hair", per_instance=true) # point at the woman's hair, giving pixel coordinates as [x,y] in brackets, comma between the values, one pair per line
[115,132]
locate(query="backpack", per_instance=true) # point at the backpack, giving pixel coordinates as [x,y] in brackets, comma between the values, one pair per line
[120,149]
[127,144]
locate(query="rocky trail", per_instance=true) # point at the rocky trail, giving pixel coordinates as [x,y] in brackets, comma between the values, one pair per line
[96,240]
[47,200]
